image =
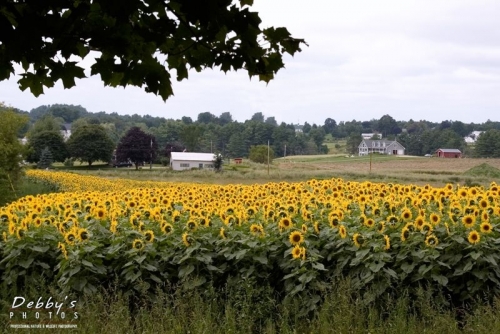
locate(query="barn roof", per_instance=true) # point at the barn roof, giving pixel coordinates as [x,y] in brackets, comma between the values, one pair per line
[449,150]
[192,156]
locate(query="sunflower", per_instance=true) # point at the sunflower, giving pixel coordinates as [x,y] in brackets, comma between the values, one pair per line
[434,218]
[70,237]
[296,238]
[474,237]
[186,239]
[83,234]
[138,244]
[468,221]
[257,229]
[419,222]
[358,239]
[387,242]
[369,222]
[405,234]
[406,214]
[431,240]
[167,228]
[342,231]
[486,227]
[62,247]
[285,223]
[297,252]
[113,225]
[20,233]
[381,227]
[222,233]
[316,227]
[427,228]
[192,225]
[392,220]
[149,236]
[334,220]
[304,228]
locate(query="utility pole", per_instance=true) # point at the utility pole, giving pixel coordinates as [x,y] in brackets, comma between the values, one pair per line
[284,156]
[268,157]
[151,156]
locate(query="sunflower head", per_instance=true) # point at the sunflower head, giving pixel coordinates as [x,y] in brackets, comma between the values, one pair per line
[297,252]
[304,228]
[138,244]
[70,237]
[186,239]
[474,237]
[167,228]
[434,218]
[222,233]
[83,234]
[469,221]
[342,231]
[296,238]
[431,240]
[149,236]
[486,227]
[405,234]
[381,227]
[358,239]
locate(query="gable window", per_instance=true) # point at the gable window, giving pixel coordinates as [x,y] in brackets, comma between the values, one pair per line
[184,165]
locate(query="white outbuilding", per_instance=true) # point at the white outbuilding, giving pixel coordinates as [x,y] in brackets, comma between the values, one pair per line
[190,160]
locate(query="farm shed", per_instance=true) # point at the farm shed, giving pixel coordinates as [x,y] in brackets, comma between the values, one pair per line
[390,147]
[448,153]
[189,160]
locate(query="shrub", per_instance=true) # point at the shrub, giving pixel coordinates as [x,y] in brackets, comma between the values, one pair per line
[260,154]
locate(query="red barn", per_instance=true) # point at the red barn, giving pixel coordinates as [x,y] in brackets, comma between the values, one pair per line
[448,153]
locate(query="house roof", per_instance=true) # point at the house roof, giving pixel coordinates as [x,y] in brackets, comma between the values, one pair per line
[449,150]
[369,142]
[192,156]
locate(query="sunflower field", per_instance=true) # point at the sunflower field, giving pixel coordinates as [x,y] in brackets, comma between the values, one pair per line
[301,237]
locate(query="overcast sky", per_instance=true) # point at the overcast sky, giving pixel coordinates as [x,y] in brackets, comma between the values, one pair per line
[424,59]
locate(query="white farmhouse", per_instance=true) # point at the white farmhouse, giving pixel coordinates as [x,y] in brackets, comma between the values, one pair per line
[390,147]
[472,137]
[189,160]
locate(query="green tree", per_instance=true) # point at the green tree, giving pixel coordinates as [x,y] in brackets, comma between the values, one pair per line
[90,143]
[353,143]
[137,146]
[135,38]
[46,123]
[53,140]
[260,154]
[46,159]
[190,136]
[11,151]
[318,136]
[488,144]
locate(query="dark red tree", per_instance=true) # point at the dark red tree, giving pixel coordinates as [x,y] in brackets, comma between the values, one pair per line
[136,146]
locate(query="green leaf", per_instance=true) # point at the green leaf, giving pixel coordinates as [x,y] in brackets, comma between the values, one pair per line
[408,267]
[246,2]
[79,283]
[186,270]
[40,249]
[318,266]
[376,266]
[87,264]
[261,258]
[440,279]
[26,262]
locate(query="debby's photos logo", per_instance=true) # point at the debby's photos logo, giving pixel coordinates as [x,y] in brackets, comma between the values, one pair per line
[43,313]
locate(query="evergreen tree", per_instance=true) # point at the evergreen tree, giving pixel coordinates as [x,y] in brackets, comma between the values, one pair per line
[46,159]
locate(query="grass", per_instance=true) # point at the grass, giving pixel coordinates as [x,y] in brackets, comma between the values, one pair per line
[381,168]
[251,307]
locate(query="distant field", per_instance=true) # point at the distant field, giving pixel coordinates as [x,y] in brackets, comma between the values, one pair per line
[403,169]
